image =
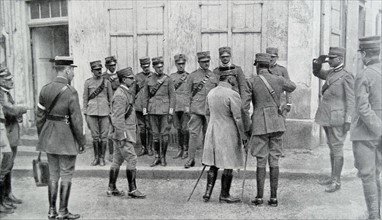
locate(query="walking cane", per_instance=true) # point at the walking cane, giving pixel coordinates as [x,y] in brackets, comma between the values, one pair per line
[200,176]
[245,169]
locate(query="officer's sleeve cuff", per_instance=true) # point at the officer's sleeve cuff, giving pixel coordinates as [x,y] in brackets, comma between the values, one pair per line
[171,111]
[348,119]
[144,111]
[41,107]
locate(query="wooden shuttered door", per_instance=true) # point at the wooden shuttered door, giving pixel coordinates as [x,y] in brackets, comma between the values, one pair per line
[338,24]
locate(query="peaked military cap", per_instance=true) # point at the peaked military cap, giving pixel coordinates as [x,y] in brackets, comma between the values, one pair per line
[5,74]
[145,61]
[224,50]
[110,61]
[370,43]
[262,58]
[336,51]
[157,60]
[203,56]
[96,64]
[125,73]
[180,58]
[273,51]
[64,61]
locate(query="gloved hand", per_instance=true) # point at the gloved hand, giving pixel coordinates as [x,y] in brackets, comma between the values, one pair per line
[285,108]
[170,118]
[346,126]
[317,63]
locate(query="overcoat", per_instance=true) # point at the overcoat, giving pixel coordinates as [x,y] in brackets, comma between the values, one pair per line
[58,137]
[181,97]
[222,146]
[366,124]
[124,128]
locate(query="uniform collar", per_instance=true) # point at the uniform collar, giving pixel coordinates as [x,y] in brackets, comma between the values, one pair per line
[125,87]
[61,79]
[339,67]
[225,84]
[4,89]
[274,65]
[110,73]
[372,61]
[226,65]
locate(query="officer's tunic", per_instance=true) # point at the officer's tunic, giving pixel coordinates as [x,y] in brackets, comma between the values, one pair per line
[267,124]
[159,105]
[4,146]
[336,106]
[124,128]
[197,105]
[180,83]
[222,146]
[366,130]
[279,70]
[60,140]
[97,109]
[140,80]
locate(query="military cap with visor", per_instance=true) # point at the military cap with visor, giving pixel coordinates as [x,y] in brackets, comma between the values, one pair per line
[180,58]
[5,73]
[126,73]
[64,61]
[203,56]
[110,61]
[262,58]
[273,51]
[157,61]
[370,43]
[145,61]
[336,51]
[96,65]
[224,51]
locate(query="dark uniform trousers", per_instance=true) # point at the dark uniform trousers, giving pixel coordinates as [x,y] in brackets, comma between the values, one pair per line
[267,149]
[99,127]
[197,127]
[160,127]
[181,120]
[61,166]
[124,153]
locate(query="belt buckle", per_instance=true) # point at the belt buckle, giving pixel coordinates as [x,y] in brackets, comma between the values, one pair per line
[67,119]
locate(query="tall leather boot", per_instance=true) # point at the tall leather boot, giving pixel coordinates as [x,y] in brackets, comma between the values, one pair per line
[336,184]
[133,191]
[226,186]
[144,146]
[52,197]
[150,144]
[371,197]
[186,138]
[63,212]
[163,152]
[274,182]
[211,179]
[329,180]
[260,180]
[111,150]
[112,189]
[4,209]
[179,154]
[102,153]
[156,152]
[7,201]
[96,154]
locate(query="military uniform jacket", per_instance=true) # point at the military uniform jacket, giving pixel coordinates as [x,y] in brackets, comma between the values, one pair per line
[58,137]
[124,128]
[197,103]
[181,97]
[113,79]
[279,70]
[366,124]
[222,145]
[265,117]
[13,114]
[337,103]
[100,105]
[4,143]
[164,98]
[241,83]
[140,80]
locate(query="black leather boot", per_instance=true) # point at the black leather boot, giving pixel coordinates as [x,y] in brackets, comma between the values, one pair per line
[96,154]
[7,202]
[144,146]
[260,179]
[150,144]
[179,154]
[186,138]
[371,197]
[163,152]
[336,184]
[156,152]
[111,150]
[274,182]
[9,196]
[4,209]
[226,186]
[112,189]
[63,212]
[133,191]
[52,197]
[211,179]
[102,153]
[329,180]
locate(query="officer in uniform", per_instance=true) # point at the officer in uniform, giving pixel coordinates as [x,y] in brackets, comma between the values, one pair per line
[124,135]
[199,84]
[366,130]
[111,75]
[13,116]
[335,110]
[97,97]
[159,103]
[268,124]
[180,117]
[60,133]
[224,137]
[143,125]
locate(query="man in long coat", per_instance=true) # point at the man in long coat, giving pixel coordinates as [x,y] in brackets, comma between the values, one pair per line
[60,134]
[225,132]
[268,124]
[366,130]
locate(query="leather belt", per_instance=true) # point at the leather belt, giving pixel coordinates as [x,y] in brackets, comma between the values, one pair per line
[63,118]
[2,120]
